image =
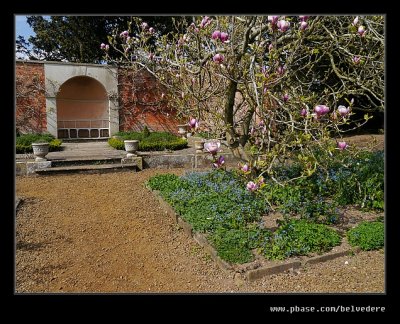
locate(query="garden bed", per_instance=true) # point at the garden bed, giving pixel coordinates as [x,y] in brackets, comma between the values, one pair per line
[269,227]
[262,267]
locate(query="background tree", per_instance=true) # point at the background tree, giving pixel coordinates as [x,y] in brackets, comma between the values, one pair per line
[76,38]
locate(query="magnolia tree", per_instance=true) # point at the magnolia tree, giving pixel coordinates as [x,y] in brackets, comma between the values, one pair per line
[267,85]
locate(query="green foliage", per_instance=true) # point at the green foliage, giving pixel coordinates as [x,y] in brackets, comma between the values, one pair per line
[177,144]
[211,199]
[116,143]
[23,143]
[361,181]
[217,203]
[154,141]
[345,180]
[367,235]
[235,245]
[299,237]
[165,183]
[146,132]
[55,145]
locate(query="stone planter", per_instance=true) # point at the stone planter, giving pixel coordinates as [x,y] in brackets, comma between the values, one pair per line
[40,150]
[199,146]
[131,146]
[182,130]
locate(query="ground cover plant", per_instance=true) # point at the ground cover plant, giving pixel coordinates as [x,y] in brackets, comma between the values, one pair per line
[367,235]
[229,208]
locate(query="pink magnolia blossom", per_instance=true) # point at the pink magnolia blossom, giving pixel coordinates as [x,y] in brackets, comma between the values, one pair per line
[343,111]
[125,34]
[193,123]
[342,145]
[361,31]
[270,47]
[212,147]
[224,37]
[321,110]
[281,70]
[151,30]
[218,58]
[355,21]
[245,168]
[303,25]
[283,25]
[107,47]
[285,97]
[144,25]
[273,19]
[205,22]
[304,112]
[356,59]
[103,46]
[304,18]
[219,162]
[251,186]
[216,34]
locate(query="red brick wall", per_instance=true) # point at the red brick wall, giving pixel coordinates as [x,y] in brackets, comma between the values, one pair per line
[30,98]
[140,100]
[141,103]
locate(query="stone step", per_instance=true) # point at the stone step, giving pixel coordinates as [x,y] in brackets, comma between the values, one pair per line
[89,169]
[76,161]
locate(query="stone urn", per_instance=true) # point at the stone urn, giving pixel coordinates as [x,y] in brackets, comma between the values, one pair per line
[40,150]
[199,146]
[131,146]
[182,130]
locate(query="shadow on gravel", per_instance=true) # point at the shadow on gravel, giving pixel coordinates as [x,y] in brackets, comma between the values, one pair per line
[24,246]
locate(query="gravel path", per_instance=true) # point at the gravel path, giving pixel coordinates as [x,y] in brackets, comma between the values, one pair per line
[106,233]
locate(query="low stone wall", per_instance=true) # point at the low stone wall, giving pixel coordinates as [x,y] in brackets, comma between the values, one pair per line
[189,161]
[30,167]
[164,161]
